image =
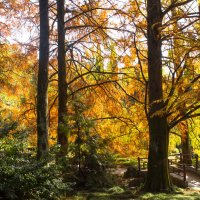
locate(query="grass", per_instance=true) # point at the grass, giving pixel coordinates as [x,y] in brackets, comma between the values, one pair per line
[162,196]
[113,193]
[117,193]
[126,161]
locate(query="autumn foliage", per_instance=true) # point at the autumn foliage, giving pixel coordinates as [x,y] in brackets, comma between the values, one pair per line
[107,88]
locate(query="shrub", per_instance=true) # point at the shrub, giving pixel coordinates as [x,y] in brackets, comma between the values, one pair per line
[23,177]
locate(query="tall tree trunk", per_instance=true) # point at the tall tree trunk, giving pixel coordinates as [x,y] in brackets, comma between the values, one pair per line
[42,87]
[198,7]
[158,172]
[62,86]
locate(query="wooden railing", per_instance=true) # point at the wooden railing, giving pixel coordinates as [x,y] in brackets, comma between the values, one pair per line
[196,162]
[175,164]
[178,168]
[180,158]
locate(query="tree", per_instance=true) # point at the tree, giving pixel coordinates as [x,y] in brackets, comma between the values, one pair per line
[42,86]
[158,173]
[62,86]
[164,114]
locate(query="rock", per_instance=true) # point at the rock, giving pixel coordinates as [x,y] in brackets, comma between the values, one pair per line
[131,172]
[136,182]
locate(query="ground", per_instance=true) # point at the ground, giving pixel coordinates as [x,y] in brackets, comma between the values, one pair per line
[181,195]
[121,192]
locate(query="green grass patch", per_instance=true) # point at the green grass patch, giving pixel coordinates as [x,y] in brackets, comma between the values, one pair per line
[126,161]
[163,196]
[114,193]
[117,193]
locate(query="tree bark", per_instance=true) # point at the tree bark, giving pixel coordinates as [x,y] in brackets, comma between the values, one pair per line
[62,86]
[158,172]
[42,85]
[199,8]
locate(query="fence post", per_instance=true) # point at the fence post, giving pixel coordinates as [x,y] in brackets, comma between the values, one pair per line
[139,167]
[197,160]
[184,172]
[181,158]
[169,164]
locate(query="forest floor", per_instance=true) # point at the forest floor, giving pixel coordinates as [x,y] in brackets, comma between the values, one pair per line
[123,192]
[185,195]
[180,194]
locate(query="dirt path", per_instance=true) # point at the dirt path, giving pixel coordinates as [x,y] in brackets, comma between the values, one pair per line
[119,170]
[192,178]
[193,181]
